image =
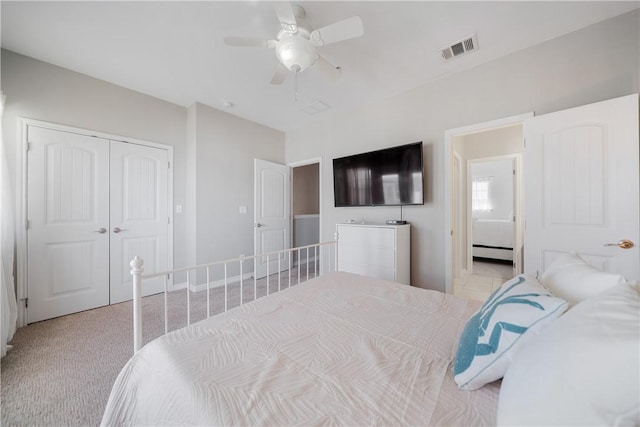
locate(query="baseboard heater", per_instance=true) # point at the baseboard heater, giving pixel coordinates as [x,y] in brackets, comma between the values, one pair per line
[487,252]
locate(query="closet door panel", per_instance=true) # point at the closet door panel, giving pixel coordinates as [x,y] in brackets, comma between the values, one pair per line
[139,216]
[67,212]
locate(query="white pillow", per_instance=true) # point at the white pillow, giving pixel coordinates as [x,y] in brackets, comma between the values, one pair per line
[583,370]
[571,278]
[492,335]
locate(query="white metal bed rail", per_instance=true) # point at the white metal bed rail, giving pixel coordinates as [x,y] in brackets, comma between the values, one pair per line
[137,270]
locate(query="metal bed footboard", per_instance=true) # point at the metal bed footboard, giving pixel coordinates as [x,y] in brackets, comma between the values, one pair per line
[330,264]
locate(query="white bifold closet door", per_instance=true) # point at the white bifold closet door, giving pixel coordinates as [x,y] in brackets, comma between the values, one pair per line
[79,189]
[68,220]
[139,216]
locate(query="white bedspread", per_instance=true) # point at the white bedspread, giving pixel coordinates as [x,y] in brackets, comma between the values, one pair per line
[342,349]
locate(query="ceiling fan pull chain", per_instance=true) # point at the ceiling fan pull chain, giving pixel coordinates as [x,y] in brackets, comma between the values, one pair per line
[295,86]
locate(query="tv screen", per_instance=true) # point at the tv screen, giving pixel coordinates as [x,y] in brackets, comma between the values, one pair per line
[388,177]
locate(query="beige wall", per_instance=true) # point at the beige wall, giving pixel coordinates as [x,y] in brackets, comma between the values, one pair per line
[38,90]
[496,142]
[213,150]
[590,65]
[306,198]
[225,148]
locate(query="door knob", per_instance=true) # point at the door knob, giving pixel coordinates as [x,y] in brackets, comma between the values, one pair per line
[622,244]
[101,230]
[257,224]
[118,229]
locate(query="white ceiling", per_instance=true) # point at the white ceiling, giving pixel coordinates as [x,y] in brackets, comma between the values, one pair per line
[174,50]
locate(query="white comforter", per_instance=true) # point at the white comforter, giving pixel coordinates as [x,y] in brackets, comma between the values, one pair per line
[342,349]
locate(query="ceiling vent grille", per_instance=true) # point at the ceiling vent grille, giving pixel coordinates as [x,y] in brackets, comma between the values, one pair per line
[315,107]
[461,47]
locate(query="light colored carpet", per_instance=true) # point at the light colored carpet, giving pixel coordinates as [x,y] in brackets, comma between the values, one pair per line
[60,371]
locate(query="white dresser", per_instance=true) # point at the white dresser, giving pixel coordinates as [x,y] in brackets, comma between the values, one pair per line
[381,251]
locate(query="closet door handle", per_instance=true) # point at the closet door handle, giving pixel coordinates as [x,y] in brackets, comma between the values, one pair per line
[118,229]
[101,230]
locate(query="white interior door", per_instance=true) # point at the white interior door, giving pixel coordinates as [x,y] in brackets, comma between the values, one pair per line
[139,216]
[458,240]
[517,236]
[581,183]
[271,215]
[68,221]
[92,204]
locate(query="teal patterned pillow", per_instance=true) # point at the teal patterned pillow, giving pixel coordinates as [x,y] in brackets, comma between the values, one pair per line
[521,307]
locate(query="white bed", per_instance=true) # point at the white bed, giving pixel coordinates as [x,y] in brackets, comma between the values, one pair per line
[340,349]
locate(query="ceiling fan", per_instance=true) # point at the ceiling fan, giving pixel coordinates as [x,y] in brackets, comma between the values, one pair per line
[296,43]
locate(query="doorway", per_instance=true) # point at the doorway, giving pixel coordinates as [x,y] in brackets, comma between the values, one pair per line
[305,212]
[492,214]
[476,275]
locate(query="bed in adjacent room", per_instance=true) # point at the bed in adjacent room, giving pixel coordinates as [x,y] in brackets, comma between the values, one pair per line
[493,239]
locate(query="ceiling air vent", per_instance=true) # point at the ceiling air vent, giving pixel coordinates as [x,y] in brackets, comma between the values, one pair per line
[466,45]
[315,107]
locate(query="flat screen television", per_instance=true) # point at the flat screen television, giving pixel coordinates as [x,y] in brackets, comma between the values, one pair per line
[387,177]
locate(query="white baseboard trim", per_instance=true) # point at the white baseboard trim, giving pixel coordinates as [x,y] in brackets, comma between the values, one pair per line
[303,261]
[235,279]
[215,284]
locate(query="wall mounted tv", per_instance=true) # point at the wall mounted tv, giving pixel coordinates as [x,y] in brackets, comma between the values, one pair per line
[387,177]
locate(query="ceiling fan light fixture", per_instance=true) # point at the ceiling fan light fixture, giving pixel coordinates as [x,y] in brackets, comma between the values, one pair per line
[296,43]
[296,53]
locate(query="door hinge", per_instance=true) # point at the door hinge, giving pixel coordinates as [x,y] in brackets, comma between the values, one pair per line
[168,276]
[27,147]
[27,224]
[168,165]
[168,220]
[26,302]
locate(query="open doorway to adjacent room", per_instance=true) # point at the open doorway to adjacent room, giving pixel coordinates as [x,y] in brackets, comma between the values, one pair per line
[485,213]
[305,212]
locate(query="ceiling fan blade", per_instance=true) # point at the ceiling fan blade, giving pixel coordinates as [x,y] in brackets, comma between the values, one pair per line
[286,16]
[328,70]
[279,75]
[342,30]
[248,42]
